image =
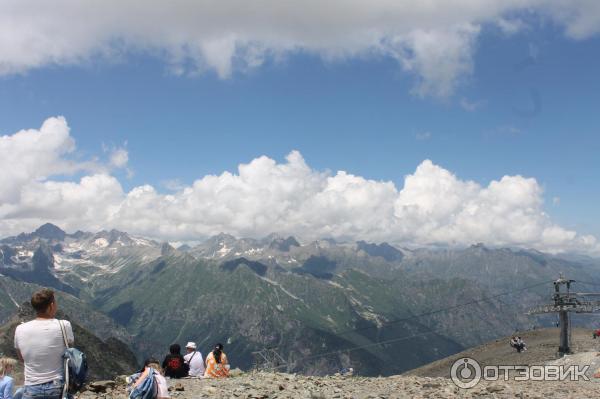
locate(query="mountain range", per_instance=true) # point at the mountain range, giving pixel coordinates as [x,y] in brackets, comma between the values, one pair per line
[322,305]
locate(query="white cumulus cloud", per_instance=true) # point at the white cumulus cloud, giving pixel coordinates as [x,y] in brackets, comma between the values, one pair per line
[433,40]
[433,206]
[31,155]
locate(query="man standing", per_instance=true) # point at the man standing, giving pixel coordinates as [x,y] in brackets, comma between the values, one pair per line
[194,360]
[40,345]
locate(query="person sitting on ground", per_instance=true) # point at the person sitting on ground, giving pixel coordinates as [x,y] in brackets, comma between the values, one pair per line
[40,345]
[518,344]
[152,366]
[7,365]
[216,363]
[194,360]
[521,345]
[174,364]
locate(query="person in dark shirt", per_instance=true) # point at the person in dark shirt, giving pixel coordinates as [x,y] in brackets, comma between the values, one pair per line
[174,365]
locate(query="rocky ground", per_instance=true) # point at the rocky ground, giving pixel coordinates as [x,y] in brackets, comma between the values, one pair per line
[430,381]
[542,348]
[275,385]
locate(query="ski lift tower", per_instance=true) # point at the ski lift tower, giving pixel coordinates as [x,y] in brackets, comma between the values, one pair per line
[566,302]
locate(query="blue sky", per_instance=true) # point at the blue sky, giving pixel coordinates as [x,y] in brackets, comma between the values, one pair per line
[529,107]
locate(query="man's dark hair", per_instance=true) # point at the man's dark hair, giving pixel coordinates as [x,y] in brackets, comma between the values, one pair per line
[175,349]
[42,299]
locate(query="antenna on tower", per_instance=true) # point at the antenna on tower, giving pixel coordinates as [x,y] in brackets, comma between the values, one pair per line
[565,302]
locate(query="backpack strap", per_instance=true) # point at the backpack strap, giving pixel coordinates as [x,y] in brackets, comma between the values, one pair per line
[190,361]
[64,333]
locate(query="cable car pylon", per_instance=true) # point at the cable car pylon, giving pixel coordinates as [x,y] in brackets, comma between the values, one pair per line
[565,302]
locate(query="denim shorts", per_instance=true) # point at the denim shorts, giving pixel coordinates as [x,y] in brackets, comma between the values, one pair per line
[47,390]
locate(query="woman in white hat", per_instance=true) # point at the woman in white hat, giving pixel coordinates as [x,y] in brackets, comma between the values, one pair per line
[194,360]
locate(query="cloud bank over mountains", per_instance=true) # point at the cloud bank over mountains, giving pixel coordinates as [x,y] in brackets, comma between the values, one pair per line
[434,207]
[432,40]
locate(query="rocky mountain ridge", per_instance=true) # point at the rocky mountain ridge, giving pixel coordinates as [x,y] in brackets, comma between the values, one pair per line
[323,305]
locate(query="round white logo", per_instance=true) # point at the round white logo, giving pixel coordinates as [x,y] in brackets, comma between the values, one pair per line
[465,373]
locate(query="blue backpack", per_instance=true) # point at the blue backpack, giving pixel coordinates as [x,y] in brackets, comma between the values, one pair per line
[76,366]
[148,389]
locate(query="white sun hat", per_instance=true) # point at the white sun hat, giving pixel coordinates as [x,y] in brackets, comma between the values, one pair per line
[191,345]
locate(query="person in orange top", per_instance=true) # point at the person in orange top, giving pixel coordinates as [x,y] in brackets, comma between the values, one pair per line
[216,363]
